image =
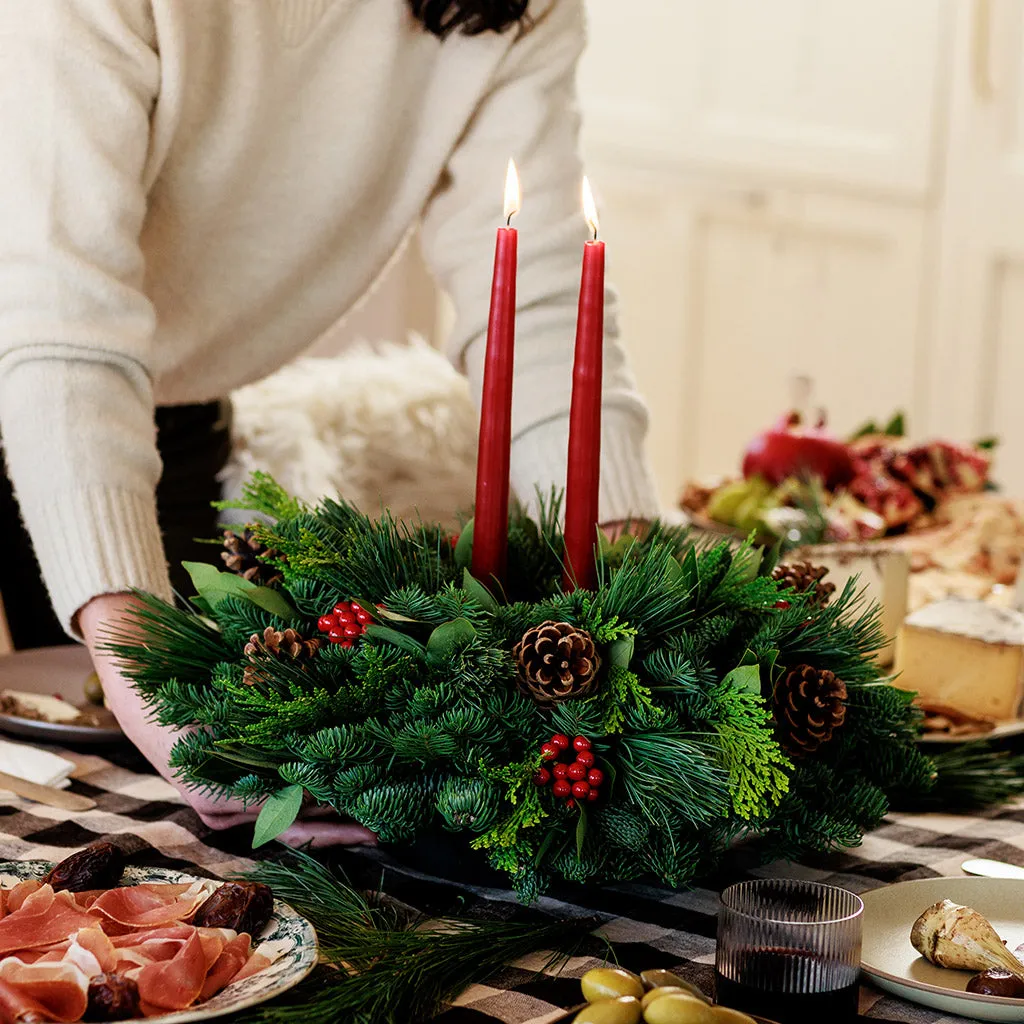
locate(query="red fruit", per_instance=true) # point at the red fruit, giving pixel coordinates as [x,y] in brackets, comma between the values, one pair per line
[341,607]
[355,606]
[325,623]
[581,790]
[595,777]
[337,636]
[561,741]
[887,497]
[561,789]
[577,771]
[791,450]
[345,643]
[550,751]
[561,771]
[363,618]
[581,743]
[585,758]
[570,804]
[542,777]
[593,795]
[353,630]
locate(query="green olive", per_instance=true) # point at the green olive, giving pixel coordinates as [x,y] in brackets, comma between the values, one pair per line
[623,1010]
[609,983]
[93,689]
[663,990]
[679,1009]
[653,980]
[725,1015]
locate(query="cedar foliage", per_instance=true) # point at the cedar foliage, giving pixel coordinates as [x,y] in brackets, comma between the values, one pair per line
[421,726]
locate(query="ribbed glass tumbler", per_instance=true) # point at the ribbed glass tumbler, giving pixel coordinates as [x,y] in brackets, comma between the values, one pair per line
[789,950]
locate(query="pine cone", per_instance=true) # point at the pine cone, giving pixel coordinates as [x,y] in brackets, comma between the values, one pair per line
[557,662]
[242,556]
[805,578]
[809,706]
[283,645]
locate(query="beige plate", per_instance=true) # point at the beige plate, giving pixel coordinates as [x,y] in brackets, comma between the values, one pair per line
[56,671]
[894,965]
[1003,729]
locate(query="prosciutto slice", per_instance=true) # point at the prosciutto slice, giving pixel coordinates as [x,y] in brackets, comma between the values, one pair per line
[174,931]
[231,960]
[17,1007]
[42,919]
[92,952]
[175,984]
[21,892]
[61,989]
[150,906]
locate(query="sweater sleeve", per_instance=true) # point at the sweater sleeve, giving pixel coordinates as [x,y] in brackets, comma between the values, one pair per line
[78,80]
[530,113]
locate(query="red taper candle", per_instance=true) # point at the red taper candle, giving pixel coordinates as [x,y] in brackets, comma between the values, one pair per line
[583,478]
[490,523]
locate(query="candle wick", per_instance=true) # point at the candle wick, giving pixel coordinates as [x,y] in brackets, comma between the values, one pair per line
[508,223]
[595,232]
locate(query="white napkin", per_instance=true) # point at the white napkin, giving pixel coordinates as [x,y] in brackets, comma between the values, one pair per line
[35,765]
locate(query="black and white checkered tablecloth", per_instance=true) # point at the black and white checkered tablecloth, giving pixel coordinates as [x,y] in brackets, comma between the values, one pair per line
[649,927]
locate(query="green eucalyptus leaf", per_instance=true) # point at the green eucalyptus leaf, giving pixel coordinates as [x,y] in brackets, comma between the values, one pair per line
[277,814]
[620,653]
[214,586]
[273,601]
[447,637]
[464,546]
[478,592]
[581,832]
[201,604]
[385,613]
[771,558]
[746,678]
[396,639]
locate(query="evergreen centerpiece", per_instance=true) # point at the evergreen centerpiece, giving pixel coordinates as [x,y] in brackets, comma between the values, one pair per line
[592,736]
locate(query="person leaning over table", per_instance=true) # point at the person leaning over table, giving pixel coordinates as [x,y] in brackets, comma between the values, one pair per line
[191,191]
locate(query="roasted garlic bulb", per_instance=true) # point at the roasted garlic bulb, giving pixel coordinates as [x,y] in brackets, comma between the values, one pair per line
[950,935]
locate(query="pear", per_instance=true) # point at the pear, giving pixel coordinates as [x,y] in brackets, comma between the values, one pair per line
[950,935]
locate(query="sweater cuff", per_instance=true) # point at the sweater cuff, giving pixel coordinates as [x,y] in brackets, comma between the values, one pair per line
[540,455]
[96,541]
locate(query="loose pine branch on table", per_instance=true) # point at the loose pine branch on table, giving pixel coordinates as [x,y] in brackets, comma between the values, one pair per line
[590,736]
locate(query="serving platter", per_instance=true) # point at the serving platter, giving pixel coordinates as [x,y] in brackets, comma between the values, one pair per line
[289,938]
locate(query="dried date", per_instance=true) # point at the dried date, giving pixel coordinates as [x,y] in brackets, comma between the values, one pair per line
[112,997]
[99,866]
[242,906]
[995,982]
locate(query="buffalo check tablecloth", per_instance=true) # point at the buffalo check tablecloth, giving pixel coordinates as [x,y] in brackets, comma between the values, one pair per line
[648,926]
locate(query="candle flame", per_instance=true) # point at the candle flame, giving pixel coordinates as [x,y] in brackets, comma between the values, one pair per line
[589,206]
[513,197]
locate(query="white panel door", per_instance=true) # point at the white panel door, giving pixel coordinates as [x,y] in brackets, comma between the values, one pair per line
[977,377]
[844,92]
[729,296]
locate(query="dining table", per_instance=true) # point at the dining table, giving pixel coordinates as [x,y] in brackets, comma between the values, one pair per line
[643,926]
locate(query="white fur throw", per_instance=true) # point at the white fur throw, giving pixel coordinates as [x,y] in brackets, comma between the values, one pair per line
[380,425]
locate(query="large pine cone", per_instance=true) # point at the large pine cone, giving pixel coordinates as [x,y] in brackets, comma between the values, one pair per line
[809,706]
[805,578]
[242,554]
[557,662]
[283,645]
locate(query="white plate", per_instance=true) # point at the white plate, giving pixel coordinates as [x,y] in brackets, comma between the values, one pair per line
[293,932]
[893,964]
[56,671]
[1003,729]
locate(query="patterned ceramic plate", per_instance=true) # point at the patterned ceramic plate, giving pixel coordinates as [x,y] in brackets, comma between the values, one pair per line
[288,934]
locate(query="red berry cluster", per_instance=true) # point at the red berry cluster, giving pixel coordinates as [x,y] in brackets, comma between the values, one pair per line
[573,780]
[345,623]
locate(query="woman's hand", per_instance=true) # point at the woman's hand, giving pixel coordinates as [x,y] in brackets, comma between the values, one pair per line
[109,613]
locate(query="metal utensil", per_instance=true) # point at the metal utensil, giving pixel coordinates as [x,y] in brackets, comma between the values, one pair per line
[991,869]
[48,795]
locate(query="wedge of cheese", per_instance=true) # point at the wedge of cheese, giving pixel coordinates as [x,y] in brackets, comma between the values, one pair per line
[965,654]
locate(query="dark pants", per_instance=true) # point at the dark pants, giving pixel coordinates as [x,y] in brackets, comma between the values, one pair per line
[194,443]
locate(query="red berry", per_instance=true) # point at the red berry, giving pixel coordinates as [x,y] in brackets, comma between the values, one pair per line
[782,605]
[344,617]
[325,623]
[345,643]
[341,607]
[595,777]
[561,788]
[570,804]
[585,758]
[353,631]
[580,790]
[363,618]
[561,741]
[581,743]
[550,751]
[355,606]
[577,772]
[593,795]
[336,636]
[561,771]
[542,777]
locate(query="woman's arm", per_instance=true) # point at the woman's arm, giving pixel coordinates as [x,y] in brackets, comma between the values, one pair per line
[530,113]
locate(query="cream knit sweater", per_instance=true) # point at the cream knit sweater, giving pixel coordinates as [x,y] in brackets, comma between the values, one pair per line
[191,191]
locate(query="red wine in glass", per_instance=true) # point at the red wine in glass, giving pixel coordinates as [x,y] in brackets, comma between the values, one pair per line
[764,986]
